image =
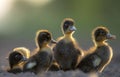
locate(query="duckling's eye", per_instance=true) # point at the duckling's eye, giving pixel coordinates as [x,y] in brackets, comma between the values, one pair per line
[16,56]
[103,33]
[48,36]
[66,25]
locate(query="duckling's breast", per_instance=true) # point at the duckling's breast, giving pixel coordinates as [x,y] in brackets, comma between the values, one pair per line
[65,53]
[105,52]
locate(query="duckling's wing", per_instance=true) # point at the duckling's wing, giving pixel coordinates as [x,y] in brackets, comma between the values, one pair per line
[30,64]
[39,62]
[106,55]
[77,58]
[45,58]
[86,64]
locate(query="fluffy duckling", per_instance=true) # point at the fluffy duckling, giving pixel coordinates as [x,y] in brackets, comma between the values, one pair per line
[67,52]
[43,58]
[100,55]
[17,59]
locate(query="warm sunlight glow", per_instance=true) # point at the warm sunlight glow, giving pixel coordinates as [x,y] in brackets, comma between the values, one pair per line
[5,6]
[38,2]
[9,23]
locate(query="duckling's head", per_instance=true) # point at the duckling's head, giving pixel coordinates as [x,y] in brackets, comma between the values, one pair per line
[19,55]
[24,51]
[101,34]
[15,58]
[68,26]
[43,37]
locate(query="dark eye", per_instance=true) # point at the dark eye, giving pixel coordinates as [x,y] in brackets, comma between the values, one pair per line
[66,25]
[103,33]
[43,35]
[16,56]
[48,36]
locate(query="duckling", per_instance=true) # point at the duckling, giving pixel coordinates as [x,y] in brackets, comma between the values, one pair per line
[43,58]
[67,52]
[17,59]
[100,55]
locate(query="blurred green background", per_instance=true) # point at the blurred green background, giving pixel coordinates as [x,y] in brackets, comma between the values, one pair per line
[20,19]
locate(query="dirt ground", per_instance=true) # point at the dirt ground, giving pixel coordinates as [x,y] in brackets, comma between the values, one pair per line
[112,70]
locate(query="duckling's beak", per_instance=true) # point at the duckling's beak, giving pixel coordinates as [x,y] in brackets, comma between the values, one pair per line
[53,41]
[110,36]
[72,28]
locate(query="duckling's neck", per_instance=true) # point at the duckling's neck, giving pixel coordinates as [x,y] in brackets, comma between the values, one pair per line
[68,35]
[68,38]
[43,45]
[20,65]
[100,43]
[46,48]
